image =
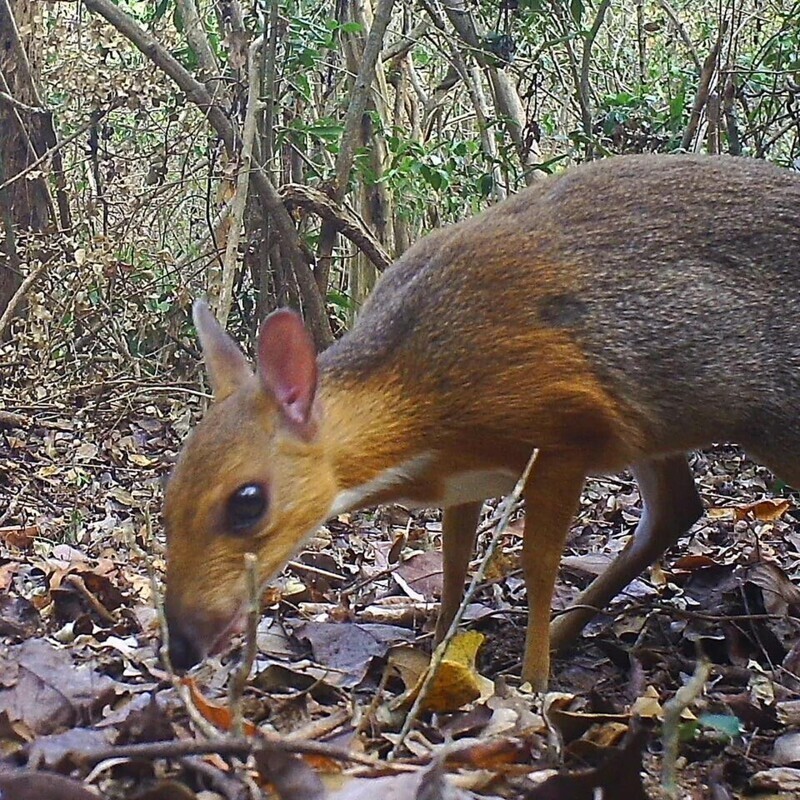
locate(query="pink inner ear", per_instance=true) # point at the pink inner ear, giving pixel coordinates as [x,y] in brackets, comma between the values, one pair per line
[287,364]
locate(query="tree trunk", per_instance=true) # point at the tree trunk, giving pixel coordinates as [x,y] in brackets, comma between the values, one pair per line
[25,205]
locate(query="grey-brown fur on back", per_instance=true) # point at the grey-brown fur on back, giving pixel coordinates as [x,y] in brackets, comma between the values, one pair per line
[678,276]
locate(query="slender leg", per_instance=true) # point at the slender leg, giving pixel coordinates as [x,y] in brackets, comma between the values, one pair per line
[459,525]
[551,499]
[671,507]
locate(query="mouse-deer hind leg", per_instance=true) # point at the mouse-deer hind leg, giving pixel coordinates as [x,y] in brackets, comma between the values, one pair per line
[671,506]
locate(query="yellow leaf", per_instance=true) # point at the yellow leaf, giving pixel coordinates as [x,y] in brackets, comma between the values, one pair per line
[456,682]
[464,648]
[648,706]
[454,686]
[141,460]
[715,512]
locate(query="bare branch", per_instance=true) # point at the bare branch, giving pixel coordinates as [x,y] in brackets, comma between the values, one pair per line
[351,135]
[672,14]
[701,95]
[359,97]
[225,299]
[343,219]
[503,518]
[53,150]
[506,97]
[18,296]
[400,48]
[586,58]
[196,36]
[16,104]
[673,709]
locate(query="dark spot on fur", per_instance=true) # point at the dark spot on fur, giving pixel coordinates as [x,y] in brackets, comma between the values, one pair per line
[562,311]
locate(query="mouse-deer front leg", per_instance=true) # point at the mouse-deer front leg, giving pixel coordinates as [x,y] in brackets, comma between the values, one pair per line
[459,526]
[552,493]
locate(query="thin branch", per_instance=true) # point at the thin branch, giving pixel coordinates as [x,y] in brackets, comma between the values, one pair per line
[44,132]
[181,689]
[19,106]
[673,709]
[245,665]
[18,296]
[351,135]
[473,83]
[21,54]
[167,63]
[729,109]
[506,97]
[641,42]
[401,47]
[239,203]
[196,36]
[586,59]
[359,96]
[228,746]
[193,252]
[71,138]
[672,14]
[701,95]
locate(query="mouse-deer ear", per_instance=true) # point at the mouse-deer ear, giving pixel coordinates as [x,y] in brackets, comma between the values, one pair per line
[226,365]
[287,367]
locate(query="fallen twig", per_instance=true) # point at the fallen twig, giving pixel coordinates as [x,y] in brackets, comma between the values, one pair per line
[242,671]
[77,583]
[182,690]
[672,717]
[225,747]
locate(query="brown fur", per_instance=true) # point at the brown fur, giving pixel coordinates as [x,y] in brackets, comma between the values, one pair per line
[617,315]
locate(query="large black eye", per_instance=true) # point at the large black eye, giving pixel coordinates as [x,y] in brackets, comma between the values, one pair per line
[246,506]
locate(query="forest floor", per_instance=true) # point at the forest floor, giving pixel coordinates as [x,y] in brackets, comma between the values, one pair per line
[87,708]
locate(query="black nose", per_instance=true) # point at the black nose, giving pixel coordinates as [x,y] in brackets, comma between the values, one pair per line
[184,651]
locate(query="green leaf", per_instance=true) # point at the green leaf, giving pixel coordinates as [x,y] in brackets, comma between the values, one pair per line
[728,725]
[159,10]
[308,57]
[576,9]
[177,17]
[341,300]
[433,177]
[677,106]
[687,731]
[421,58]
[324,130]
[187,56]
[486,184]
